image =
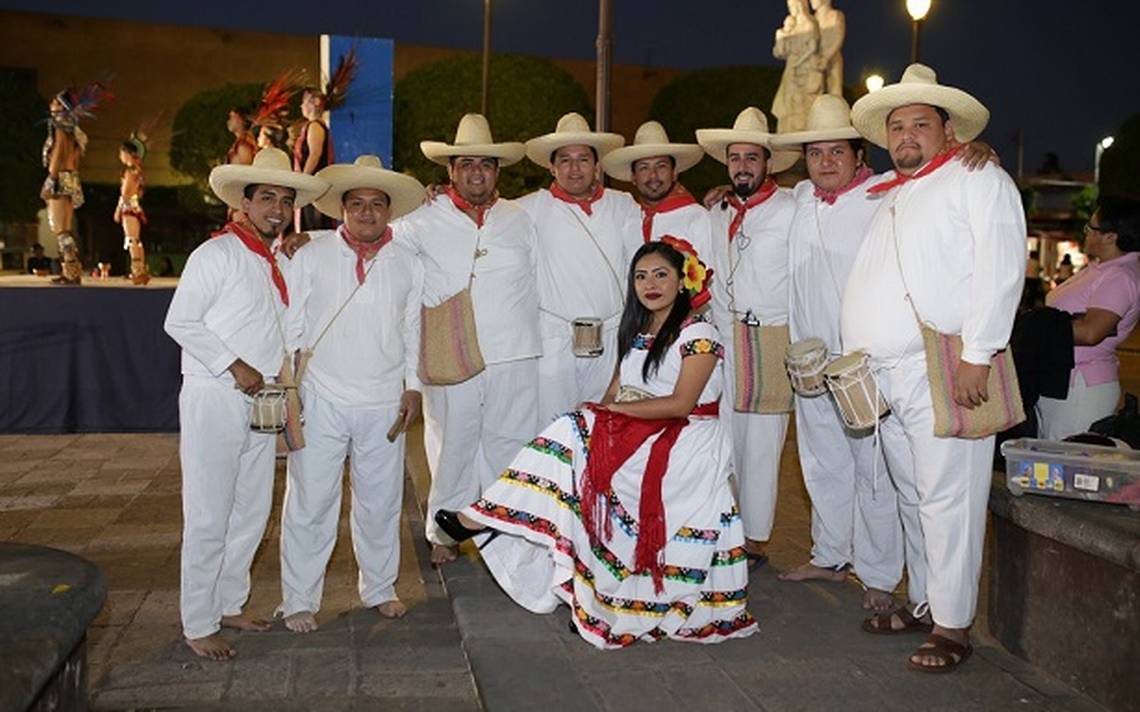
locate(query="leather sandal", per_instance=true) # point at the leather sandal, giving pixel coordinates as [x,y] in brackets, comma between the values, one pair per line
[951,654]
[881,623]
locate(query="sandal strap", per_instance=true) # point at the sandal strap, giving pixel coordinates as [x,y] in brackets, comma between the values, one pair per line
[950,652]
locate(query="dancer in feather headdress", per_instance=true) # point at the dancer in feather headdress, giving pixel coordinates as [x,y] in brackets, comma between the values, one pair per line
[313,149]
[63,148]
[272,115]
[244,146]
[129,211]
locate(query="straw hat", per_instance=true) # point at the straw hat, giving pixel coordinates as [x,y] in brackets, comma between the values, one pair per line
[751,126]
[572,130]
[473,138]
[405,193]
[919,85]
[649,141]
[271,166]
[828,120]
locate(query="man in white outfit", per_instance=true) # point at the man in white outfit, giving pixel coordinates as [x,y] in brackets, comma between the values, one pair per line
[355,316]
[469,237]
[584,248]
[750,284]
[653,163]
[227,315]
[955,241]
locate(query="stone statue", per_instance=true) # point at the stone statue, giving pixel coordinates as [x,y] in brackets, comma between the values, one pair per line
[832,30]
[797,43]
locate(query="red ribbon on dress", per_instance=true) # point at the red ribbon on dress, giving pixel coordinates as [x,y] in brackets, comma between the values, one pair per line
[766,190]
[677,197]
[586,205]
[364,250]
[258,247]
[614,439]
[862,173]
[480,210]
[935,163]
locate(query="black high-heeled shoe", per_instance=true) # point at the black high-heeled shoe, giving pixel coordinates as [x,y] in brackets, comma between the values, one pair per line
[449,522]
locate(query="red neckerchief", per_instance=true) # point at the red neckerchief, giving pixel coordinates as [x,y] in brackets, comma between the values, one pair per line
[862,173]
[766,190]
[465,207]
[899,179]
[677,197]
[586,205]
[364,250]
[257,246]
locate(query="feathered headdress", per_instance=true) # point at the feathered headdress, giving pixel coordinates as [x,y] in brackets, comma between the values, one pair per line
[82,102]
[273,109]
[336,89]
[144,136]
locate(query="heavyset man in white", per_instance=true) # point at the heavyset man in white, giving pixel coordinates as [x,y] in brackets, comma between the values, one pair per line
[750,259]
[961,250]
[356,308]
[227,315]
[584,248]
[653,164]
[473,429]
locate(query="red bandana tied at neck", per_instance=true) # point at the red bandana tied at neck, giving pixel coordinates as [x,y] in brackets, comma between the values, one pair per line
[463,205]
[364,250]
[257,246]
[586,205]
[766,190]
[862,173]
[677,197]
[899,179]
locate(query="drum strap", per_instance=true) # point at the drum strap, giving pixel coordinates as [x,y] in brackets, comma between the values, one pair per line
[602,253]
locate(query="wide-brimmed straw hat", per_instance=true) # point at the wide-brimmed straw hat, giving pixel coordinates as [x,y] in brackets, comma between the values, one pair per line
[751,126]
[473,138]
[828,120]
[572,130]
[271,166]
[919,85]
[649,141]
[404,192]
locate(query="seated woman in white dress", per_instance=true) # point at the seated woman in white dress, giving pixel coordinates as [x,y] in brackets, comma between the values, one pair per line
[623,510]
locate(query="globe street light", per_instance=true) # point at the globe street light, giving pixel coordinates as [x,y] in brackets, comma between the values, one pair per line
[1103,145]
[874,83]
[917,10]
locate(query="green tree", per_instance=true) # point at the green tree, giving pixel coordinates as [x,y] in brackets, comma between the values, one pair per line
[708,98]
[1118,174]
[22,125]
[528,96]
[200,139]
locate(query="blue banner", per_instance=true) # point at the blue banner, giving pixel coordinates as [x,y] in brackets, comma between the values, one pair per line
[363,124]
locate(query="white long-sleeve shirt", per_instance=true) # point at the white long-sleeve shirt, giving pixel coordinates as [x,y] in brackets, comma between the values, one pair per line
[690,222]
[961,244]
[822,247]
[224,309]
[370,353]
[751,271]
[504,292]
[582,273]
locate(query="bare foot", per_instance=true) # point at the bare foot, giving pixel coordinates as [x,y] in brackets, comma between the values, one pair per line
[442,554]
[213,647]
[301,622]
[252,625]
[876,600]
[811,572]
[392,609]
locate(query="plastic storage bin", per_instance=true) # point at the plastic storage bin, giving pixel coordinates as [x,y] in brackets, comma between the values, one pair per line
[1073,470]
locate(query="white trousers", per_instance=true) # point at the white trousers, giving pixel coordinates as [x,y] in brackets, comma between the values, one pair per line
[1058,419]
[565,380]
[312,502]
[854,507]
[227,492]
[943,487]
[472,431]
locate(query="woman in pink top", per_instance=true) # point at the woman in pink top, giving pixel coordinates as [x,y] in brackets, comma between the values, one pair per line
[1105,301]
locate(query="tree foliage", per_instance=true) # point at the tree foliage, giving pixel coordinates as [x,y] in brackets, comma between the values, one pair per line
[528,96]
[1119,176]
[200,139]
[22,125]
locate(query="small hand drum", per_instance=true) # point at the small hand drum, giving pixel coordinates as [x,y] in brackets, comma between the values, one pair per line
[268,409]
[587,337]
[805,361]
[856,393]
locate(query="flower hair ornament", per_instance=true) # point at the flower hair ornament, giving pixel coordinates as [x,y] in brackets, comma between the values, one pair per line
[696,275]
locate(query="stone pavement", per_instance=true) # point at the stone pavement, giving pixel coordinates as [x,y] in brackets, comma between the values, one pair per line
[115,500]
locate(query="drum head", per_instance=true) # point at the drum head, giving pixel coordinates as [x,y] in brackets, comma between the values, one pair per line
[805,347]
[845,364]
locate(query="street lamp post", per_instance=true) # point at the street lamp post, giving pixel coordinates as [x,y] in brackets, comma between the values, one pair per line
[1101,146]
[917,10]
[486,93]
[605,48]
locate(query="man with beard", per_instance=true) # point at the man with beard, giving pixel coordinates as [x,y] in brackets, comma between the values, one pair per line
[227,315]
[583,250]
[946,246]
[750,256]
[653,163]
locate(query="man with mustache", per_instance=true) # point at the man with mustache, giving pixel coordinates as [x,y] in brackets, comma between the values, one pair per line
[750,256]
[227,314]
[947,246]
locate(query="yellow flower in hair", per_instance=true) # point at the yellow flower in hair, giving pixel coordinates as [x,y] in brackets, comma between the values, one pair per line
[695,272]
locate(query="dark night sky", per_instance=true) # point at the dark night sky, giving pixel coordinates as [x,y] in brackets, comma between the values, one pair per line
[1065,72]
